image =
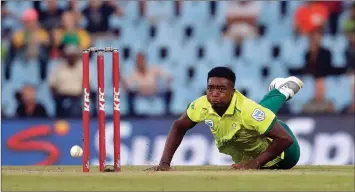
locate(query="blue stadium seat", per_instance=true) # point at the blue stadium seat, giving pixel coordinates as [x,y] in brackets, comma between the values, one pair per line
[277,69]
[29,67]
[277,32]
[327,41]
[52,65]
[83,23]
[214,29]
[336,85]
[60,3]
[178,104]
[189,52]
[199,32]
[129,33]
[337,45]
[165,30]
[194,11]
[220,12]
[8,101]
[44,96]
[18,7]
[131,48]
[269,12]
[142,30]
[99,43]
[156,48]
[246,70]
[160,10]
[293,50]
[183,95]
[257,50]
[219,51]
[130,9]
[11,23]
[117,22]
[200,80]
[291,10]
[149,106]
[126,68]
[255,90]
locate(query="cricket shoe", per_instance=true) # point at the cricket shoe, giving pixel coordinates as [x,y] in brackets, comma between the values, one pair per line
[287,86]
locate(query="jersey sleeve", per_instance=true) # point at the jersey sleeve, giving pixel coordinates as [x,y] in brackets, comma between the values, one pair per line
[257,117]
[193,110]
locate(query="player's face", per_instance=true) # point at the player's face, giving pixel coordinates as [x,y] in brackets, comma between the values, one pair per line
[219,91]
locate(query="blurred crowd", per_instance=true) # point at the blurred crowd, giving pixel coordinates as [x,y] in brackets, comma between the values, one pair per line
[166,49]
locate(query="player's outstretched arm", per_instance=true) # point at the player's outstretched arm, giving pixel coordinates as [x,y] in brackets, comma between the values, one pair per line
[281,140]
[176,134]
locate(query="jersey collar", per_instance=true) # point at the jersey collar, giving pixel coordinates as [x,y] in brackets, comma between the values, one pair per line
[231,108]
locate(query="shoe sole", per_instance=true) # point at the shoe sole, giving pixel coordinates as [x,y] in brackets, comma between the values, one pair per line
[298,81]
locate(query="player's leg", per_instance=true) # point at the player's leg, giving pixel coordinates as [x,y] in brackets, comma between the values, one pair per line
[292,154]
[281,90]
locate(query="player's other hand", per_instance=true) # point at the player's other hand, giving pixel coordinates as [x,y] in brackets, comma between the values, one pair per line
[246,165]
[161,167]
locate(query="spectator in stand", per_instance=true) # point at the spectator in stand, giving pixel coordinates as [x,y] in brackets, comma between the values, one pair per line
[349,23]
[30,42]
[143,81]
[69,33]
[242,19]
[349,29]
[28,106]
[73,7]
[66,83]
[318,58]
[98,13]
[335,8]
[6,31]
[309,16]
[50,17]
[319,104]
[318,64]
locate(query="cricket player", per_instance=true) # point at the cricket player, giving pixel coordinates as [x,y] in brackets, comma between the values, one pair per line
[247,131]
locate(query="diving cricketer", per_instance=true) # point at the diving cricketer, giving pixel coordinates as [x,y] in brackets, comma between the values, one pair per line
[249,132]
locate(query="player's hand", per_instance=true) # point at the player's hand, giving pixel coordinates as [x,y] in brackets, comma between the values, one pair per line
[246,165]
[161,167]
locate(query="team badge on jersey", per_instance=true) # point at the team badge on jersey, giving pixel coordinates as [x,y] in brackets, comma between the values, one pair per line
[258,115]
[193,105]
[209,123]
[234,125]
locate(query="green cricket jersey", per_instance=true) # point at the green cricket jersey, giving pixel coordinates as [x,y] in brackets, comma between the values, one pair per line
[240,132]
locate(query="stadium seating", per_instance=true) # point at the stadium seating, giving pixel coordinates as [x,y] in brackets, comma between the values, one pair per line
[293,50]
[44,96]
[21,67]
[336,85]
[8,103]
[189,43]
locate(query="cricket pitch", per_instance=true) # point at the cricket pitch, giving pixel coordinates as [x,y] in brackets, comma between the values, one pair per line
[185,178]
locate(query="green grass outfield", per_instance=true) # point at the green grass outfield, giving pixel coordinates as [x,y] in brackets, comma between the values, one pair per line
[193,178]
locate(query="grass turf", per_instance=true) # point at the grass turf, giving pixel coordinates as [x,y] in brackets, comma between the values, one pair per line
[186,178]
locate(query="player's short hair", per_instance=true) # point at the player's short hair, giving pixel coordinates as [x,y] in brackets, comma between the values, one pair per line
[223,72]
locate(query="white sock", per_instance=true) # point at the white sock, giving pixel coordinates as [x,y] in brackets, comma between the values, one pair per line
[284,92]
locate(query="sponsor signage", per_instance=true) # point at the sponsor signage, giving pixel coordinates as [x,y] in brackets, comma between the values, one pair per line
[324,140]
